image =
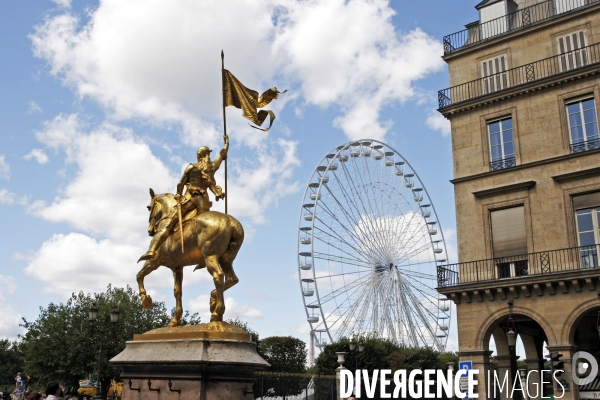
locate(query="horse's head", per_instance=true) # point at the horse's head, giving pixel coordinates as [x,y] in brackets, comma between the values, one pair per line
[160,208]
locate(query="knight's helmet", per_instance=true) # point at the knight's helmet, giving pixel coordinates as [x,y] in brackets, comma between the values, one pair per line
[203,151]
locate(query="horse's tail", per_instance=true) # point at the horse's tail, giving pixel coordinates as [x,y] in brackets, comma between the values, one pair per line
[237,235]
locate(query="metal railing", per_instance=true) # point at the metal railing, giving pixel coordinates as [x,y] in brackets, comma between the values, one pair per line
[514,77]
[512,22]
[580,147]
[507,162]
[540,263]
[269,385]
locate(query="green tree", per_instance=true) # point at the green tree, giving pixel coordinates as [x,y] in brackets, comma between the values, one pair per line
[244,325]
[62,344]
[11,362]
[284,353]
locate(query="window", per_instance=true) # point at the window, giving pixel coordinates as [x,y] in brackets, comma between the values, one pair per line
[587,213]
[583,125]
[572,50]
[568,5]
[502,144]
[494,74]
[509,240]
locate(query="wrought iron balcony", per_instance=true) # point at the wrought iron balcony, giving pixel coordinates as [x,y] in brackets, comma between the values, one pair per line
[580,147]
[507,162]
[540,263]
[515,77]
[521,19]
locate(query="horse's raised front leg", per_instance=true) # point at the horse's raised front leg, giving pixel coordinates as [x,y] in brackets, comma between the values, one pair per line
[177,291]
[148,267]
[217,306]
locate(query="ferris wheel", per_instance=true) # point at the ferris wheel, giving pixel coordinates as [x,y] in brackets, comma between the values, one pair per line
[369,243]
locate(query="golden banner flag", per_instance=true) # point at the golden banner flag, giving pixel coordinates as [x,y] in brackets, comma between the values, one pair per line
[237,95]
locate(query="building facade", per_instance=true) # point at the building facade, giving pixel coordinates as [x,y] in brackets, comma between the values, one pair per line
[523,106]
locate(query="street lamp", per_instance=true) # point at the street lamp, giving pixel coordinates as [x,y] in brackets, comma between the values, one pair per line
[92,317]
[361,348]
[511,331]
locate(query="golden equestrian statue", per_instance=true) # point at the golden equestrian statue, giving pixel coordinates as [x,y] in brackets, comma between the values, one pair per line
[185,232]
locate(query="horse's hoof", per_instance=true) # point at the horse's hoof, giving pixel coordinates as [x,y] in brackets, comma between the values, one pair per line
[149,254]
[214,318]
[173,324]
[147,302]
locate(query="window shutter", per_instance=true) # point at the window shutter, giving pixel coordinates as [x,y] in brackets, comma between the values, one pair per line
[572,50]
[509,236]
[494,70]
[588,200]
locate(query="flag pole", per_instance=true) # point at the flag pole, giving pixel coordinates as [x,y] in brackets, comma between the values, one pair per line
[224,122]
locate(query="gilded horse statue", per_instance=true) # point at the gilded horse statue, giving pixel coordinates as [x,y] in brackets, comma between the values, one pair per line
[211,239]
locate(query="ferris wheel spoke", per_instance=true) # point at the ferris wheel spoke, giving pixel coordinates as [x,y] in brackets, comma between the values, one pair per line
[351,311]
[338,259]
[410,325]
[360,259]
[419,311]
[334,233]
[346,214]
[341,316]
[341,290]
[354,185]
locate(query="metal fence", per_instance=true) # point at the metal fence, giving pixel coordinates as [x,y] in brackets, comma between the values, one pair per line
[280,386]
[521,75]
[515,21]
[269,385]
[539,263]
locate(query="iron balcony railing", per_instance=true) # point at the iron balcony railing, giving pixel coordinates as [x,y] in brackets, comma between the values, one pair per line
[514,77]
[579,147]
[507,162]
[515,21]
[540,263]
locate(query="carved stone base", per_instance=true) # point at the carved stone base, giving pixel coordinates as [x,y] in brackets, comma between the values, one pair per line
[213,361]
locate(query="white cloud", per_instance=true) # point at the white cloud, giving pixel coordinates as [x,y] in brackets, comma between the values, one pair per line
[9,318]
[232,309]
[437,122]
[4,167]
[63,3]
[7,197]
[38,155]
[258,183]
[345,54]
[33,107]
[106,202]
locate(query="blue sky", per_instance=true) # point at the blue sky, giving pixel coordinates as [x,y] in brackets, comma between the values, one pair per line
[101,100]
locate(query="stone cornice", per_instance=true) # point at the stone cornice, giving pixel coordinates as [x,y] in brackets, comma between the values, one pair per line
[572,176]
[524,166]
[480,194]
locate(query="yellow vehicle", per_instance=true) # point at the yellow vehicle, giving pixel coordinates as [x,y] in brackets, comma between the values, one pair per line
[89,390]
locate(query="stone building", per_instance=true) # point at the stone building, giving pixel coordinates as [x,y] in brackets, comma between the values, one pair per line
[523,105]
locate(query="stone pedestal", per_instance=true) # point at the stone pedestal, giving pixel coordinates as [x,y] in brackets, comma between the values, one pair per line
[213,361]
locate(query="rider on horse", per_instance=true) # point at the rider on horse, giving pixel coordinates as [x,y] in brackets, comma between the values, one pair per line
[198,177]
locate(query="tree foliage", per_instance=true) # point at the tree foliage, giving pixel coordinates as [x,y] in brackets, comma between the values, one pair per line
[61,344]
[244,325]
[284,353]
[382,354]
[11,362]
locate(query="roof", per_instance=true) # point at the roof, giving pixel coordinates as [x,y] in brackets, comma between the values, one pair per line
[485,3]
